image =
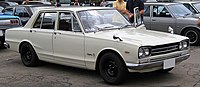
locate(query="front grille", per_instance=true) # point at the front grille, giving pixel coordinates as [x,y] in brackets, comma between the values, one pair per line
[164,58]
[162,49]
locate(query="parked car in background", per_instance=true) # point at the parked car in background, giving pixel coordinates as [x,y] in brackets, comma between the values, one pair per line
[110,4]
[6,22]
[1,8]
[161,16]
[36,3]
[5,3]
[193,6]
[96,38]
[24,11]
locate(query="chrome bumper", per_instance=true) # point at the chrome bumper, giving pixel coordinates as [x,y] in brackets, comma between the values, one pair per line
[154,64]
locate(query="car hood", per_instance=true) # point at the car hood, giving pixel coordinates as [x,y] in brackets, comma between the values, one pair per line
[140,36]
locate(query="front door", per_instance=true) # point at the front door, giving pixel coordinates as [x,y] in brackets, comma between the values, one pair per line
[161,19]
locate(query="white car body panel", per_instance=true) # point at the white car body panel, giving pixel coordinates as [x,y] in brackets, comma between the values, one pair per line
[81,49]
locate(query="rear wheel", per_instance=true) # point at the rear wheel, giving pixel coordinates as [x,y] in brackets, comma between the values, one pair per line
[112,68]
[193,35]
[28,55]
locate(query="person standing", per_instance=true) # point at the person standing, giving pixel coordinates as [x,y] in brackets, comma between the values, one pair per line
[26,2]
[120,5]
[131,4]
[76,3]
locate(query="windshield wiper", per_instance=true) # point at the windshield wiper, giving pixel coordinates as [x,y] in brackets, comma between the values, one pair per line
[124,26]
[105,28]
[187,14]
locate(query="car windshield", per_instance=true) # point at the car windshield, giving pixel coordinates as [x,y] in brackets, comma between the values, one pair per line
[197,6]
[179,10]
[99,20]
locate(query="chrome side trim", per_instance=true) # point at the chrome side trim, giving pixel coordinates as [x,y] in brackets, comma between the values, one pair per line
[154,64]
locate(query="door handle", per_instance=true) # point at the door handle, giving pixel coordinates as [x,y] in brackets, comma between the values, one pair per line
[153,19]
[57,33]
[32,31]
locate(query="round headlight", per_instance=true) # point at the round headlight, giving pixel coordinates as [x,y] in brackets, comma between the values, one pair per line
[147,51]
[180,45]
[141,52]
[144,52]
[185,44]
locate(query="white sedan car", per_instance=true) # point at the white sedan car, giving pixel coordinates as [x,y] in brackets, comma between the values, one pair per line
[96,38]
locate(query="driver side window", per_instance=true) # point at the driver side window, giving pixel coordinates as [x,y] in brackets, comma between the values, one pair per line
[160,11]
[68,22]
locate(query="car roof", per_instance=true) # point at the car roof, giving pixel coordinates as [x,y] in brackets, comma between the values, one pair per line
[76,8]
[188,2]
[38,5]
[161,3]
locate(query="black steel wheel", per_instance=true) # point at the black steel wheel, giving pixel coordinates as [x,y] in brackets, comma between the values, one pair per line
[112,69]
[193,35]
[28,55]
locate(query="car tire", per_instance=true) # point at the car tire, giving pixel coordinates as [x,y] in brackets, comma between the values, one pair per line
[112,69]
[193,35]
[165,70]
[28,56]
[2,46]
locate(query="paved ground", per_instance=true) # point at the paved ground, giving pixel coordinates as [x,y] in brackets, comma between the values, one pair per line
[14,74]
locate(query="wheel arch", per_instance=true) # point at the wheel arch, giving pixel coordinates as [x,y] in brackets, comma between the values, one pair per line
[106,51]
[189,27]
[22,42]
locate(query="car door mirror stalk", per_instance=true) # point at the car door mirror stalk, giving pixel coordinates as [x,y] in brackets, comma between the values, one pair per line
[117,37]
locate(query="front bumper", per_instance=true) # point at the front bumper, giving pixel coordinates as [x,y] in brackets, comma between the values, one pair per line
[154,64]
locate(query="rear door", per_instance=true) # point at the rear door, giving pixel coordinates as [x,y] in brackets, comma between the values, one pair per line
[68,40]
[42,33]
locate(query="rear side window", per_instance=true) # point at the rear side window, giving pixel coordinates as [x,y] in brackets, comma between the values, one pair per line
[45,20]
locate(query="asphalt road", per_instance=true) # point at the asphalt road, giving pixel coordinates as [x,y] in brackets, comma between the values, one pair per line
[14,74]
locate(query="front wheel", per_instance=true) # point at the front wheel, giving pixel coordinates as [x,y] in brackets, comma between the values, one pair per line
[112,69]
[28,55]
[193,35]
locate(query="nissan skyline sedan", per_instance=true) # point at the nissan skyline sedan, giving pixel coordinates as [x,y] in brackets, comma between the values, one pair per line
[159,16]
[96,38]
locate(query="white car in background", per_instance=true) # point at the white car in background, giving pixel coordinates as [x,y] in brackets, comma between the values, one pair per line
[96,38]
